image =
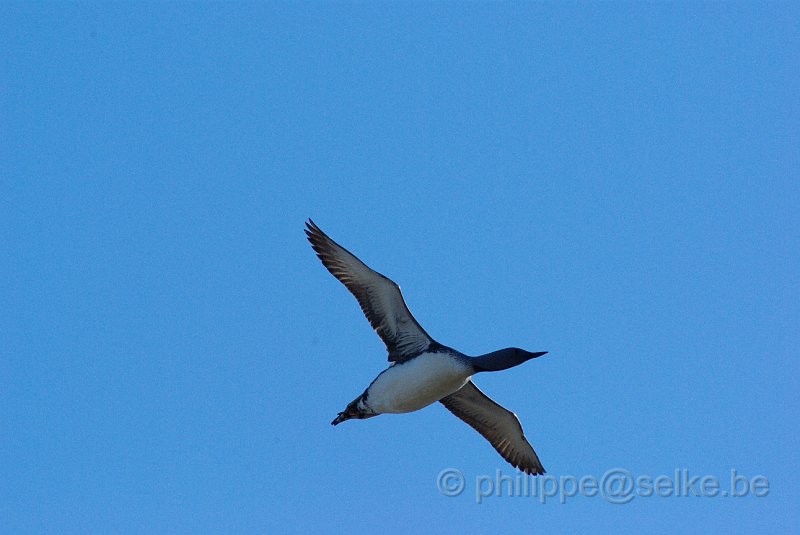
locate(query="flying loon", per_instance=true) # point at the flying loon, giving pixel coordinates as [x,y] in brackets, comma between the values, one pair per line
[421,370]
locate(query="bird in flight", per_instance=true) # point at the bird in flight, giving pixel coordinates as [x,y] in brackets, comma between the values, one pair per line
[422,371]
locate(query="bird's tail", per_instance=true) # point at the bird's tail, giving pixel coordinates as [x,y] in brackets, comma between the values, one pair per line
[341,418]
[355,409]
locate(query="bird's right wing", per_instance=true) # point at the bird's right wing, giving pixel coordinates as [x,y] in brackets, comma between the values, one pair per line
[379,297]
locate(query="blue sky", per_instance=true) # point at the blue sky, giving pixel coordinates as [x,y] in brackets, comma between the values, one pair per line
[616,184]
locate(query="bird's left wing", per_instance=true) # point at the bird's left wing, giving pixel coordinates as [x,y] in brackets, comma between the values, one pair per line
[498,425]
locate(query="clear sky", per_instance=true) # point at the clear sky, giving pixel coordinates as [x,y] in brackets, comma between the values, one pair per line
[616,184]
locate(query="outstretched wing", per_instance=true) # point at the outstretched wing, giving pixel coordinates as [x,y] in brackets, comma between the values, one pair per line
[379,297]
[499,426]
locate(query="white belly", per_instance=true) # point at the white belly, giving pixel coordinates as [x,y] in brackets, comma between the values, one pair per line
[417,383]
